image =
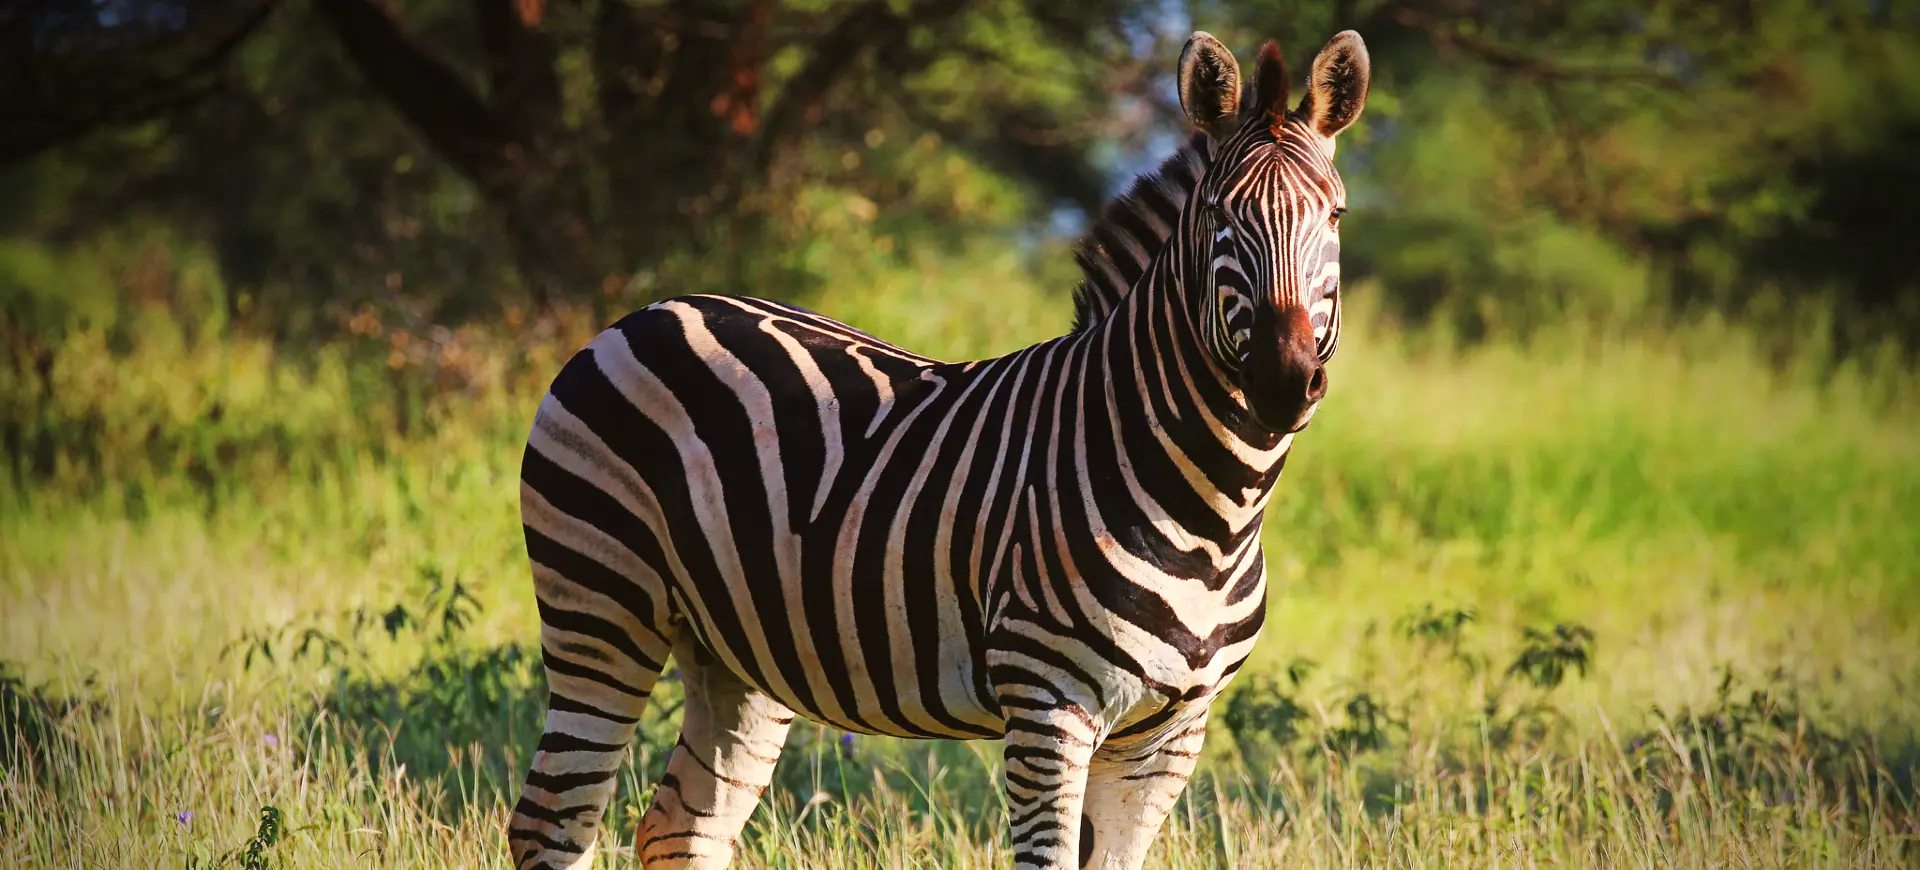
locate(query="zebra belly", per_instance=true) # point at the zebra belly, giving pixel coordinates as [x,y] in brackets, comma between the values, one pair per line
[866,706]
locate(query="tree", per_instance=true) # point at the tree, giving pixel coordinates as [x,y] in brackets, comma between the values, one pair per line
[1520,162]
[69,67]
[1534,160]
[604,135]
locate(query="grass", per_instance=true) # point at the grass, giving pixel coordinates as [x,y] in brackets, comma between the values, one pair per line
[1579,599]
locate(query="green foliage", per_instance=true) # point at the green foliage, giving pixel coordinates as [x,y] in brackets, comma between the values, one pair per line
[1609,161]
[314,187]
[267,376]
[253,856]
[1493,504]
[453,692]
[1435,627]
[1764,741]
[1618,160]
[1547,654]
[1262,708]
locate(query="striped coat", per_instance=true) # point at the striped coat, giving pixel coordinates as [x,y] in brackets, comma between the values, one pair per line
[1059,547]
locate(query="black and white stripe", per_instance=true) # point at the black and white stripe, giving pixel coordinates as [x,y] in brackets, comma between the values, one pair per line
[1060,547]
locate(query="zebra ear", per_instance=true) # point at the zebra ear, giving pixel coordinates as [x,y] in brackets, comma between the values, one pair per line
[1337,89]
[1209,84]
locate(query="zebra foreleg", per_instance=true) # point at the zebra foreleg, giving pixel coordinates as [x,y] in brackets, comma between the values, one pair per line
[1046,778]
[1130,790]
[730,739]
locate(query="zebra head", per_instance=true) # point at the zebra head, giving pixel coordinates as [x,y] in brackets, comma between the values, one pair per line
[1261,244]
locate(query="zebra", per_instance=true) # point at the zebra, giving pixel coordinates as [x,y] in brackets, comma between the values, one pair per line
[1060,547]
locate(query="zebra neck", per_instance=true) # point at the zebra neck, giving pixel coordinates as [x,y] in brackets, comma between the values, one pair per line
[1186,432]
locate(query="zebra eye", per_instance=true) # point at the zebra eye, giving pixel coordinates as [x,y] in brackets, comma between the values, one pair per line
[1216,218]
[1333,220]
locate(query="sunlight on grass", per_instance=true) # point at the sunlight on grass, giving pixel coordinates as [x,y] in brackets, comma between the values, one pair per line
[238,576]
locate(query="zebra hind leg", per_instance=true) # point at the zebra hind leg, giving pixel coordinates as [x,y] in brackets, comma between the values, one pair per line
[602,660]
[730,739]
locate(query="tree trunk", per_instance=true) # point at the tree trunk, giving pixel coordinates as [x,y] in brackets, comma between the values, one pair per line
[680,133]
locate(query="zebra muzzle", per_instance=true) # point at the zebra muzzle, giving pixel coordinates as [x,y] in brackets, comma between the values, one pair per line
[1283,377]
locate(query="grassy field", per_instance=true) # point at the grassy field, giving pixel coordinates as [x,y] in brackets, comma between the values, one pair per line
[1648,601]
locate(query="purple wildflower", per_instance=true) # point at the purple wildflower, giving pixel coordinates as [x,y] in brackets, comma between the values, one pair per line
[846,744]
[272,739]
[183,817]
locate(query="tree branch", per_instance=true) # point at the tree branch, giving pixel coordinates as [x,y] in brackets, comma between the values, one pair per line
[427,91]
[1519,63]
[520,61]
[627,57]
[870,24]
[1056,166]
[67,74]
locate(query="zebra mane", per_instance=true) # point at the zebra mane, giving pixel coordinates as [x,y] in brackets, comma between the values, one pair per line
[1132,229]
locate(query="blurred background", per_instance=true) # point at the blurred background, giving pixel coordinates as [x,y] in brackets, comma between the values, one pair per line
[1603,549]
[1520,162]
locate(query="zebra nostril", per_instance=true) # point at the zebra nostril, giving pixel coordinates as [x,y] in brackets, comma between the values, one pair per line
[1317,384]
